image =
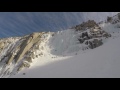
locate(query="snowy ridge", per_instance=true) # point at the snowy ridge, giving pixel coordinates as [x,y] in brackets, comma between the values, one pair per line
[31,53]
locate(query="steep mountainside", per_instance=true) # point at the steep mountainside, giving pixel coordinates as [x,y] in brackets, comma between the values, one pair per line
[25,53]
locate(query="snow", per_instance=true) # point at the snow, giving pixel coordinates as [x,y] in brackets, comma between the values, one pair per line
[63,41]
[64,57]
[101,62]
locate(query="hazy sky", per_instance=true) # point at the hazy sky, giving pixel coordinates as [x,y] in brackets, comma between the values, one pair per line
[21,23]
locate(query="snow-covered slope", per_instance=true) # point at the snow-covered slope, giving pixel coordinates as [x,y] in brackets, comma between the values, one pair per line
[86,50]
[102,62]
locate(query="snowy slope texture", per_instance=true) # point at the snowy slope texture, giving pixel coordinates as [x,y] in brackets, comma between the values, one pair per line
[75,52]
[22,23]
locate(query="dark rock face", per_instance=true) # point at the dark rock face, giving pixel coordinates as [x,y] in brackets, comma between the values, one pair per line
[94,38]
[81,40]
[109,19]
[95,33]
[95,43]
[86,42]
[119,16]
[84,37]
[112,20]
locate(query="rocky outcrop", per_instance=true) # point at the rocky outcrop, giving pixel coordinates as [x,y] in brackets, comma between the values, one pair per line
[23,65]
[29,59]
[27,44]
[95,43]
[109,19]
[92,36]
[2,44]
[10,58]
[22,49]
[113,20]
[86,25]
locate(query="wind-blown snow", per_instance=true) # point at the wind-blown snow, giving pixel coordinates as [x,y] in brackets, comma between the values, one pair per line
[64,42]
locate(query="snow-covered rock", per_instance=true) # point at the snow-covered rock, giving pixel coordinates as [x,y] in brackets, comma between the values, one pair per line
[41,48]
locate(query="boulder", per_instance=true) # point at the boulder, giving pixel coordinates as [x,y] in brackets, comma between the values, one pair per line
[106,35]
[26,64]
[33,55]
[91,45]
[109,19]
[95,43]
[40,54]
[36,56]
[81,40]
[29,59]
[20,67]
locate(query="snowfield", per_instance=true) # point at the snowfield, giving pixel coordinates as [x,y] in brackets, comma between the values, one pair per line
[102,62]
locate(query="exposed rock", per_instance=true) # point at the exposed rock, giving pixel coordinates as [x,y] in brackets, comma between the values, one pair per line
[106,35]
[109,19]
[2,47]
[2,44]
[95,43]
[37,47]
[29,59]
[23,73]
[10,58]
[24,64]
[81,40]
[86,25]
[36,56]
[24,48]
[27,44]
[20,67]
[86,42]
[119,16]
[90,45]
[53,34]
[41,54]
